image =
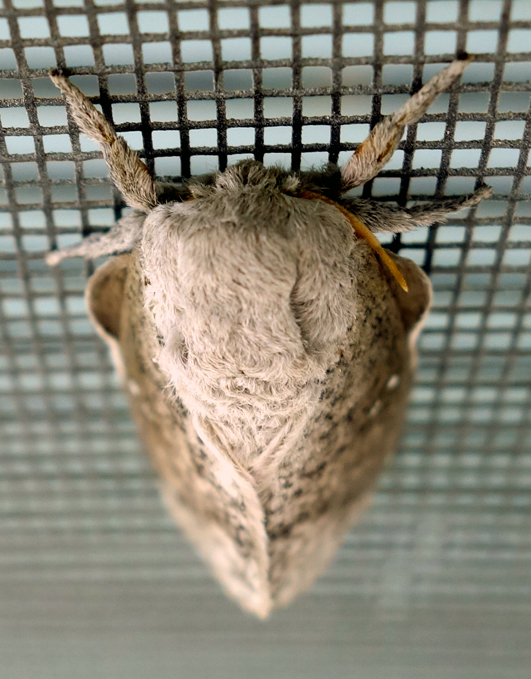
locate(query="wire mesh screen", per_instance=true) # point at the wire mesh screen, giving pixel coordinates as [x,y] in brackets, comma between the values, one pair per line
[436,577]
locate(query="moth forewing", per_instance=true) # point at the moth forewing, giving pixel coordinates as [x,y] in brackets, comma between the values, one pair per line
[212,500]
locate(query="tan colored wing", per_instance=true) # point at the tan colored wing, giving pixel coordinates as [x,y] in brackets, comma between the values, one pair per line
[307,497]
[313,498]
[214,502]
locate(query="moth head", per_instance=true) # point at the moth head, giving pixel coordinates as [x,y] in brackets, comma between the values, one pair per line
[141,191]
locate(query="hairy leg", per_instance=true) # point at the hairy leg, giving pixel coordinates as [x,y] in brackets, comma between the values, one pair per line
[383,217]
[121,238]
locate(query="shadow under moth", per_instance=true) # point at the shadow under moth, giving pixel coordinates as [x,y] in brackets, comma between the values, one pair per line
[266,342]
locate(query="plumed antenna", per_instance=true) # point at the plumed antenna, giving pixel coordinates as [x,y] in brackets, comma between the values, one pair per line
[129,174]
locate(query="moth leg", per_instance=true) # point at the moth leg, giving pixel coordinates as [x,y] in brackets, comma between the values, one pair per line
[429,213]
[373,154]
[128,172]
[382,217]
[121,238]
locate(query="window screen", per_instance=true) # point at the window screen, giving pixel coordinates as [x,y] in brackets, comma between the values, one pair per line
[94,578]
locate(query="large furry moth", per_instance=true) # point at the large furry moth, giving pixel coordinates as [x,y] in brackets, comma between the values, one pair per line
[267,344]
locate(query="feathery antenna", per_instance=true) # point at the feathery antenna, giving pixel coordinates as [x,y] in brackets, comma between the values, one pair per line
[129,174]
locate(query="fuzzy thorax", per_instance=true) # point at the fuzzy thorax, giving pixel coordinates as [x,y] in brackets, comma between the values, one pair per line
[251,292]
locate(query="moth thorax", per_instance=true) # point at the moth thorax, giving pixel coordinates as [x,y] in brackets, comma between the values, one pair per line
[247,378]
[251,300]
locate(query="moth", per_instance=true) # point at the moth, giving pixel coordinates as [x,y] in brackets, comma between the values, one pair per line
[266,342]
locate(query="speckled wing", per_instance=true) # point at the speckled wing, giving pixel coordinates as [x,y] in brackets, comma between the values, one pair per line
[270,532]
[213,501]
[312,498]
